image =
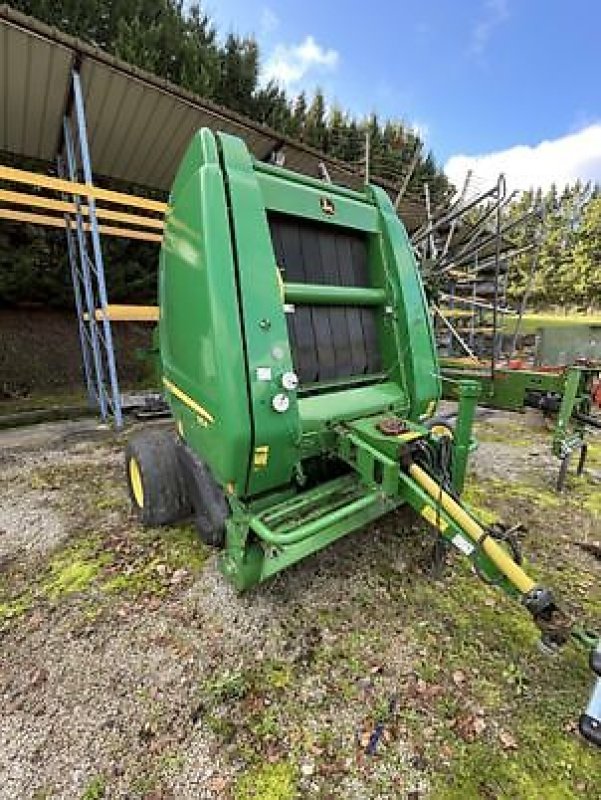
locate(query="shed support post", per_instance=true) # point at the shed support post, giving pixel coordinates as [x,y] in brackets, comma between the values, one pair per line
[77,281]
[89,282]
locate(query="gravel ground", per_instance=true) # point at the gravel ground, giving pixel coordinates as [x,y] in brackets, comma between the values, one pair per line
[100,692]
[129,668]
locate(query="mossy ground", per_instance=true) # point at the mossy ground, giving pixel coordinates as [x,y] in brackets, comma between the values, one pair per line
[270,782]
[357,639]
[107,553]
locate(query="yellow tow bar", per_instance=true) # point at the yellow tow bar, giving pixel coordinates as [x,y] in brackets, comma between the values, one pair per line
[500,558]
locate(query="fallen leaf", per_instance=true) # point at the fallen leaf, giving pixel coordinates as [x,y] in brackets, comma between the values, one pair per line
[469,727]
[364,739]
[508,741]
[218,783]
[38,677]
[459,677]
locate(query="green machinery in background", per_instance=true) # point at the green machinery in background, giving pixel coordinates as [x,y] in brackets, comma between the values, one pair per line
[299,362]
[563,393]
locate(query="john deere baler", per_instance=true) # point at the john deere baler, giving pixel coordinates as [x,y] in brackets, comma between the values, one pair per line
[298,359]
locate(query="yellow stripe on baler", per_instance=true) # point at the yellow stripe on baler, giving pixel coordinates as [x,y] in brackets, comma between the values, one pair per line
[500,558]
[188,401]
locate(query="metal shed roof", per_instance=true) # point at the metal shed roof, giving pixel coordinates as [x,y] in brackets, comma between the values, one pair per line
[138,124]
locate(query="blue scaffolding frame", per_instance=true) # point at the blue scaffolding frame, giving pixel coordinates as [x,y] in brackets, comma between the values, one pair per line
[87,266]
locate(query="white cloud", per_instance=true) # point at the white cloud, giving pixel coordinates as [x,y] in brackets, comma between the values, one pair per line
[269,21]
[559,161]
[494,12]
[288,64]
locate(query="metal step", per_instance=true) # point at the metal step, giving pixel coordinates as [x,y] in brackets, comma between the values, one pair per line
[312,504]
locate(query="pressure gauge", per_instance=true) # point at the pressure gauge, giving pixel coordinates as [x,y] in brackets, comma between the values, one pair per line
[280,403]
[290,381]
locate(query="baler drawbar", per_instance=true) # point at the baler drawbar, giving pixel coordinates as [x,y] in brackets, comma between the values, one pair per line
[299,362]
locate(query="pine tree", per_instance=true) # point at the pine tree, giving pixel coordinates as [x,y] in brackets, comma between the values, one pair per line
[299,116]
[315,121]
[239,73]
[587,256]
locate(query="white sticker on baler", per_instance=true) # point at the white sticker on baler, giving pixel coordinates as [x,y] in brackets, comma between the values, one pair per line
[467,548]
[263,373]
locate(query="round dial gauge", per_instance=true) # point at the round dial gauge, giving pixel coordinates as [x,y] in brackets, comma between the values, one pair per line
[280,403]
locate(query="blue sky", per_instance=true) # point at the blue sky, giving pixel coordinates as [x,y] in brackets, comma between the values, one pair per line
[515,81]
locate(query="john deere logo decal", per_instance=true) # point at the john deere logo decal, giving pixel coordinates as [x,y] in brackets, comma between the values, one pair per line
[327,206]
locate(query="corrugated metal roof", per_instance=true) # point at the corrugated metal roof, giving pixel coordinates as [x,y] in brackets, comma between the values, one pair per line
[138,124]
[34,80]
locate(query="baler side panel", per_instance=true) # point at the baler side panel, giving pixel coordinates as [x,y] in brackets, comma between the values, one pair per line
[199,330]
[417,350]
[276,436]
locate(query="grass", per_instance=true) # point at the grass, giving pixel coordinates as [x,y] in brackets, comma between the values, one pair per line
[173,549]
[75,568]
[11,609]
[528,703]
[95,790]
[532,322]
[98,568]
[526,746]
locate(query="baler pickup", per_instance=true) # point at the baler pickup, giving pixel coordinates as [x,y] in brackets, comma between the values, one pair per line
[298,358]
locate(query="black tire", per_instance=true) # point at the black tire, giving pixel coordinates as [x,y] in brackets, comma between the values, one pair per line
[207,498]
[154,478]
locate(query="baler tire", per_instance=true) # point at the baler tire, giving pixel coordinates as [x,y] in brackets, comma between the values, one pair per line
[207,498]
[156,485]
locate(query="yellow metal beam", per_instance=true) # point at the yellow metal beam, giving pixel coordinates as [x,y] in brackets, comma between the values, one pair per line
[59,222]
[127,233]
[35,201]
[82,189]
[449,313]
[121,313]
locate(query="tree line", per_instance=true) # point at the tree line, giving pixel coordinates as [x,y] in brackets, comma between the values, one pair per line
[562,268]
